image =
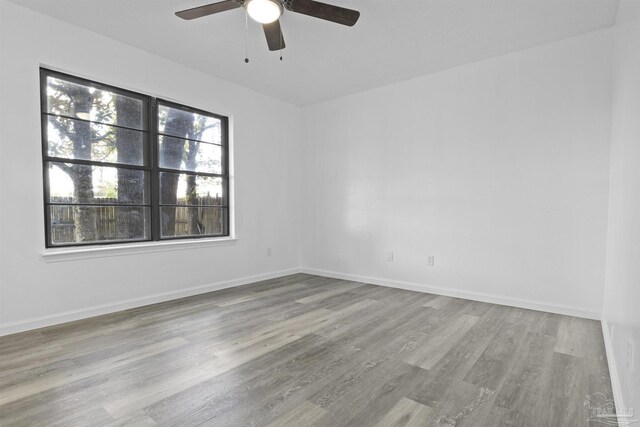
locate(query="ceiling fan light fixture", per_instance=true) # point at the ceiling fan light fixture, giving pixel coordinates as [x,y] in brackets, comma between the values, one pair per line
[264,11]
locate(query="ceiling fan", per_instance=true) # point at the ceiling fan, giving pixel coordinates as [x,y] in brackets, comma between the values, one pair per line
[268,13]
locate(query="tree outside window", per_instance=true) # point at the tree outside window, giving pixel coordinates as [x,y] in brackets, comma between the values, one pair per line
[124,167]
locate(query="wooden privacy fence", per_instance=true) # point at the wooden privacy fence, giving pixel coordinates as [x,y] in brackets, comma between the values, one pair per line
[63,217]
[210,221]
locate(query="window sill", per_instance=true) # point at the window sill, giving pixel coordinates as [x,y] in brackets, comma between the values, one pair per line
[80,253]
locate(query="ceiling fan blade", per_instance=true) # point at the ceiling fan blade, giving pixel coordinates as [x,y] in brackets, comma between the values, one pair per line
[209,9]
[328,12]
[275,39]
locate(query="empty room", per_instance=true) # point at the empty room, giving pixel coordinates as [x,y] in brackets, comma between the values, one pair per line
[301,213]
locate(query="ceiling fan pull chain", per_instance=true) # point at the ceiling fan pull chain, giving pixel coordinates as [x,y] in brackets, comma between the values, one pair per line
[246,36]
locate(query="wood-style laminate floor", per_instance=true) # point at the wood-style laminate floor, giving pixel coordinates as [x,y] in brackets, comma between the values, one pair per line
[304,350]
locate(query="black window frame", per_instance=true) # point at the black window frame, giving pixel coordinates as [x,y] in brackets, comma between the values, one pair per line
[151,161]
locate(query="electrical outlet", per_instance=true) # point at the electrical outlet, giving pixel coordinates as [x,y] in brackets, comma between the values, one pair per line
[630,355]
[268,252]
[390,256]
[431,260]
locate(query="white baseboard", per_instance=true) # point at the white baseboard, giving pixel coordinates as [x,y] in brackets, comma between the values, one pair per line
[613,370]
[476,296]
[69,316]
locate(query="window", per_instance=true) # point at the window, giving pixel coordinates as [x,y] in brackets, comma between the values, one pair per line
[124,167]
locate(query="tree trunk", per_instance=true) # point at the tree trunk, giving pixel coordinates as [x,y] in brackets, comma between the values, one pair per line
[178,123]
[130,221]
[82,175]
[195,226]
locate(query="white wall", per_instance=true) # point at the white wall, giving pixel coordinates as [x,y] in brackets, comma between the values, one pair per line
[34,292]
[497,168]
[622,292]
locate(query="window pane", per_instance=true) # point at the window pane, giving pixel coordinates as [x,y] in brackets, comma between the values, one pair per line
[73,183]
[88,103]
[76,139]
[184,154]
[193,221]
[69,224]
[185,124]
[183,189]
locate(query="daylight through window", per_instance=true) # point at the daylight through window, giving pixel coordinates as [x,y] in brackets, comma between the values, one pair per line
[125,167]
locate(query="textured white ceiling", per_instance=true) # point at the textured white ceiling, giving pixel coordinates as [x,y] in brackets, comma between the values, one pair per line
[394,39]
